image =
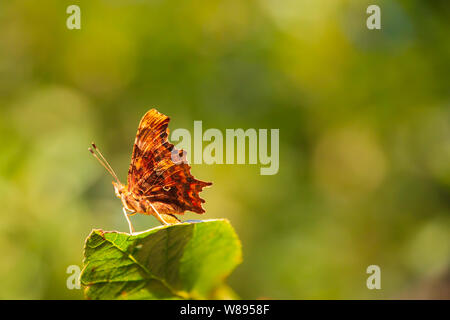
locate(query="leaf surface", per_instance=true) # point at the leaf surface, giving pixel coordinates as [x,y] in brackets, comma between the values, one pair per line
[182,261]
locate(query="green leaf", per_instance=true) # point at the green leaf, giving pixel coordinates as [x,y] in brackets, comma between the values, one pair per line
[182,261]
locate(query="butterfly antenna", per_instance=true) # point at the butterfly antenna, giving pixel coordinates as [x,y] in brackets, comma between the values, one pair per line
[103,161]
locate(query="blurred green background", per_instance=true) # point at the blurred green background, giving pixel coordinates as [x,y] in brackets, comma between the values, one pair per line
[364,123]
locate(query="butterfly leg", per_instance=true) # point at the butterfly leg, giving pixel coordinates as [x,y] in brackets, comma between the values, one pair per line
[128,220]
[160,216]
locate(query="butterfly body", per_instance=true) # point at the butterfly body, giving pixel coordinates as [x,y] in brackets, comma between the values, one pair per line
[159,178]
[133,204]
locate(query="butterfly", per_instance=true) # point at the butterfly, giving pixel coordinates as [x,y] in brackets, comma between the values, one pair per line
[159,181]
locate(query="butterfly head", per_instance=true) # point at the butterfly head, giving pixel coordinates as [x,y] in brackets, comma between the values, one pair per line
[130,203]
[119,189]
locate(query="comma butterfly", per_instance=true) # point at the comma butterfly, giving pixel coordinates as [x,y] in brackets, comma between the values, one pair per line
[159,179]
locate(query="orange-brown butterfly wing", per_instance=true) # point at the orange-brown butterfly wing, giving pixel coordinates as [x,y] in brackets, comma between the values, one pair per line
[159,172]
